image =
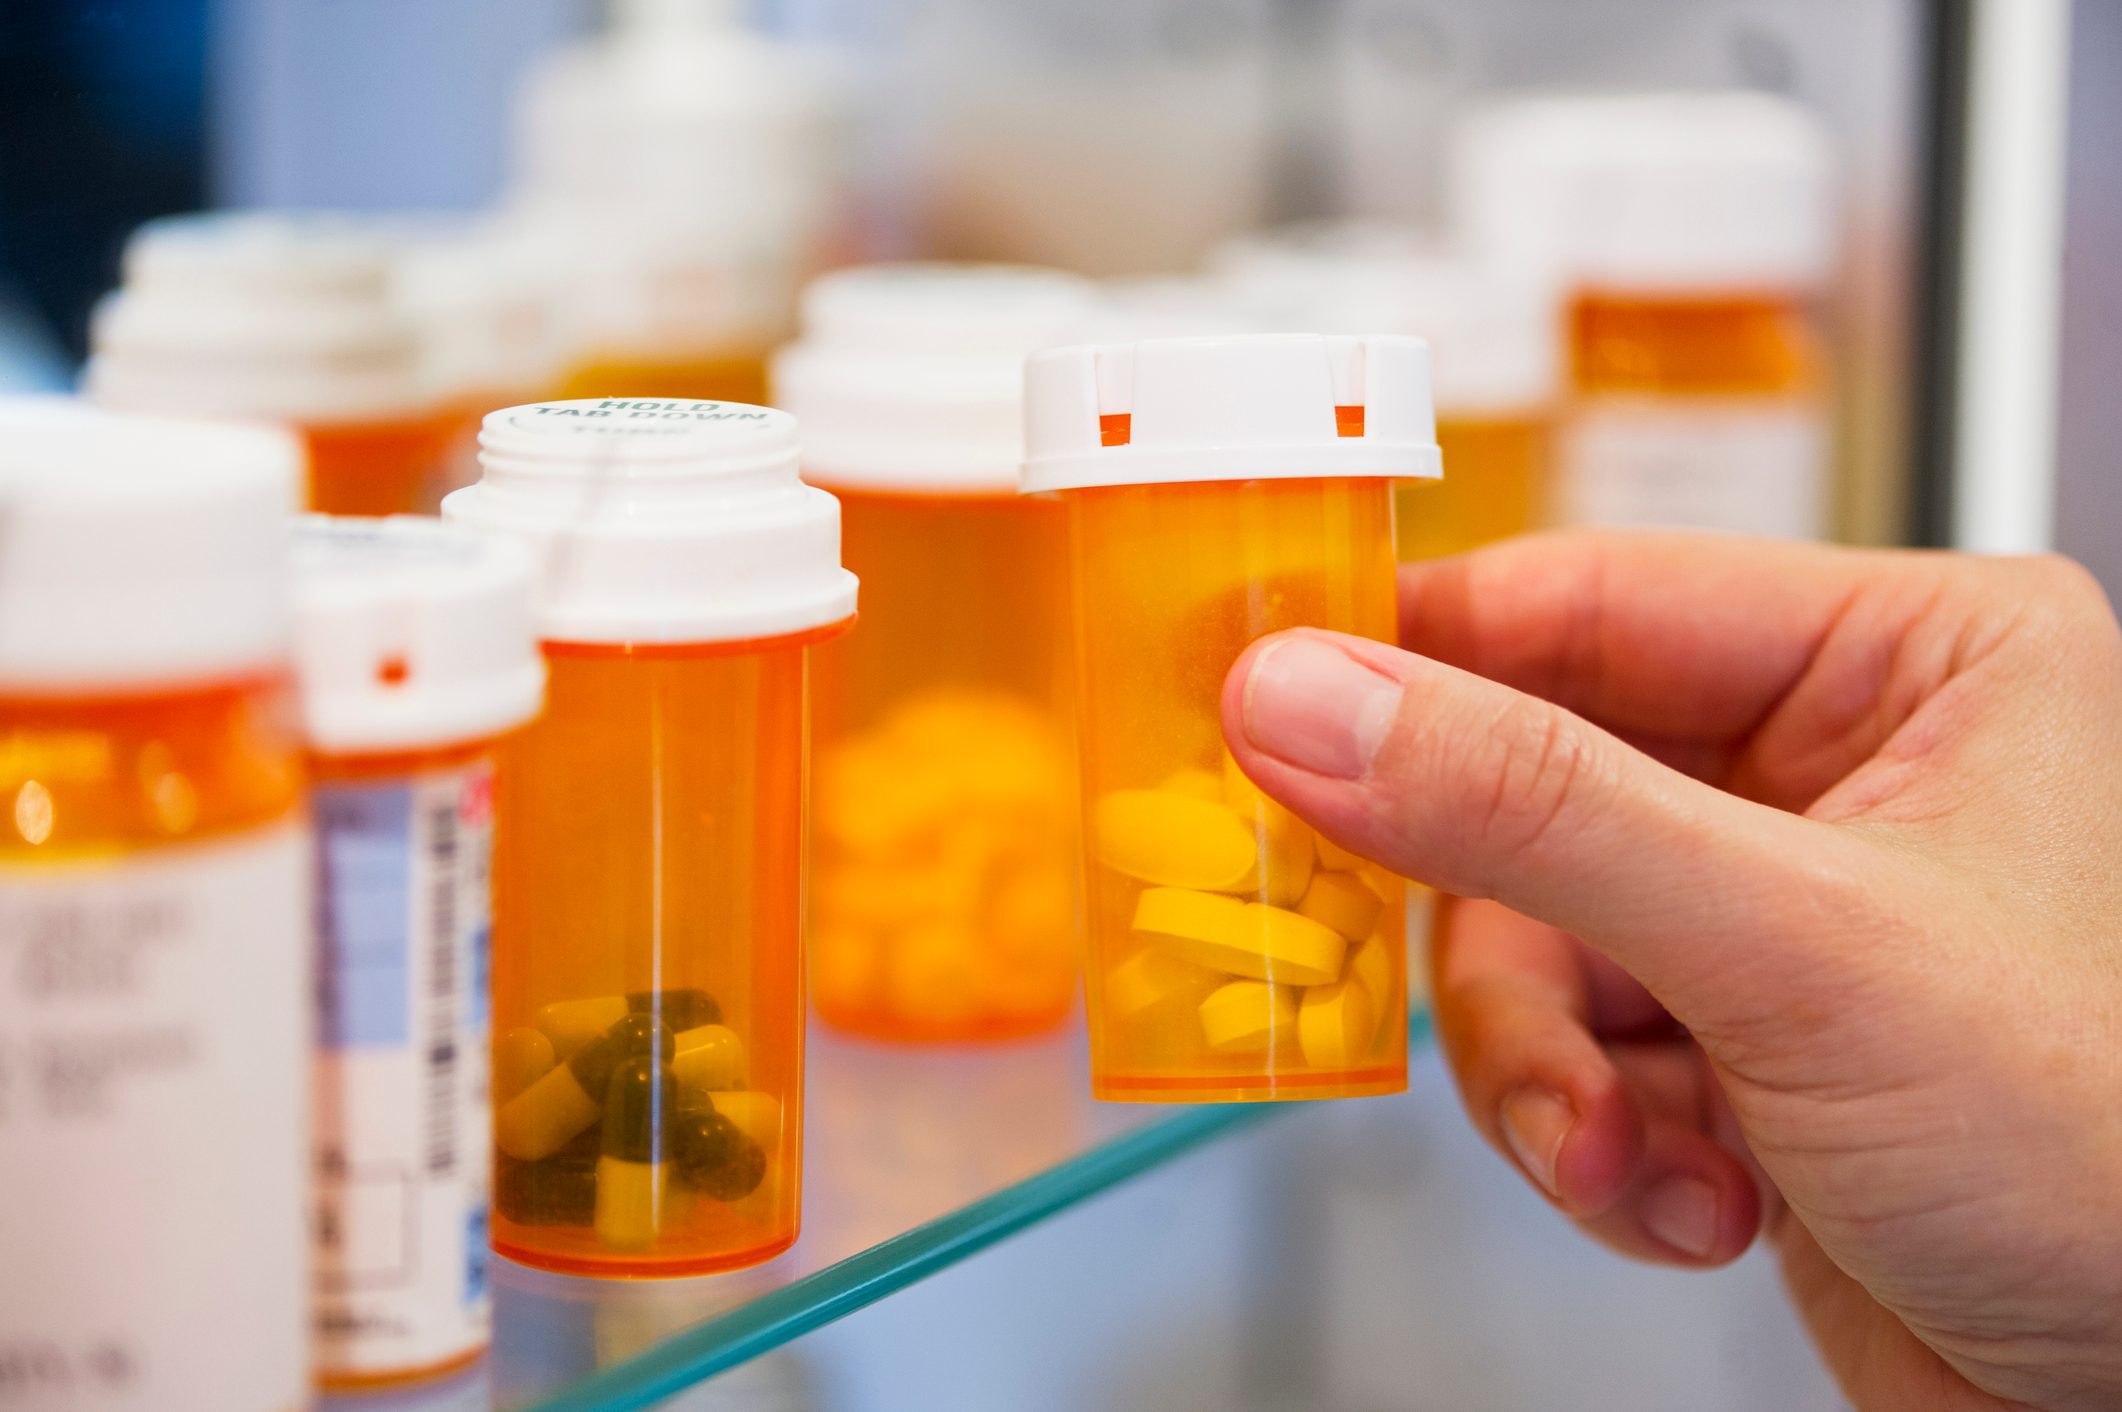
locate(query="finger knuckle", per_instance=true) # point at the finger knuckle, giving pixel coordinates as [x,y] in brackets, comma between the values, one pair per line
[1543,769]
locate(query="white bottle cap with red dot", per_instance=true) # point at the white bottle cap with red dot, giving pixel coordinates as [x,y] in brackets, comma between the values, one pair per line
[411,634]
[1245,407]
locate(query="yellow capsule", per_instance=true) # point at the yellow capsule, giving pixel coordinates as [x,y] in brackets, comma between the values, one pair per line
[757,1116]
[632,1202]
[1344,902]
[545,1117]
[709,1057]
[522,1056]
[570,1024]
[1149,980]
[1174,840]
[1371,967]
[1335,1024]
[1246,1016]
[1195,783]
[1268,943]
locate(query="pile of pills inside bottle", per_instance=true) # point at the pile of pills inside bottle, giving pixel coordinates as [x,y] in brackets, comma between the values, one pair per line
[1267,932]
[612,1109]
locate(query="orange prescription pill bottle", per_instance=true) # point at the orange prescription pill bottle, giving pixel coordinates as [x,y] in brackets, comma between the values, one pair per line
[942,896]
[1493,333]
[154,977]
[1219,489]
[286,319]
[1690,237]
[415,654]
[649,845]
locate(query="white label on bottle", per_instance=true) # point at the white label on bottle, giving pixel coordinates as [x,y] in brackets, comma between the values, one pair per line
[1747,466]
[154,1097]
[402,891]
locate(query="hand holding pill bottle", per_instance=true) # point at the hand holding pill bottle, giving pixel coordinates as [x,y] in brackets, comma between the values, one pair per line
[415,655]
[649,848]
[1218,489]
[943,895]
[154,976]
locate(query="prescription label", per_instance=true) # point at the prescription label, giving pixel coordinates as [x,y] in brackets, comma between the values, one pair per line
[154,1083]
[1745,466]
[401,1141]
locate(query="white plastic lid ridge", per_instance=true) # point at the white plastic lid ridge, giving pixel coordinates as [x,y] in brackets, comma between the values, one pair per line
[410,633]
[1717,190]
[909,377]
[138,552]
[1246,407]
[661,520]
[279,316]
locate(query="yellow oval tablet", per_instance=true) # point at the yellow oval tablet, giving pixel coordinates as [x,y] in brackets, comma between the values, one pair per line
[1371,967]
[1182,914]
[1173,840]
[1245,1016]
[1336,859]
[1195,783]
[708,1058]
[1268,943]
[1286,855]
[1335,1024]
[1344,902]
[1149,980]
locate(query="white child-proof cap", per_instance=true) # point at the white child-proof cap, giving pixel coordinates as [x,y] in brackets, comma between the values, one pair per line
[1247,407]
[411,634]
[1494,335]
[910,377]
[274,316]
[661,520]
[138,552]
[1650,192]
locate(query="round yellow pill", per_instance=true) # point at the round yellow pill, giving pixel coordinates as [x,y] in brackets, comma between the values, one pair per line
[1245,1016]
[1335,1024]
[1344,902]
[1173,840]
[1267,944]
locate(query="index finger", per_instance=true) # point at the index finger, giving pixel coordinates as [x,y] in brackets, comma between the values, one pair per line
[1672,636]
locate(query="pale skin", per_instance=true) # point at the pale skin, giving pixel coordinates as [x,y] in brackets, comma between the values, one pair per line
[1792,910]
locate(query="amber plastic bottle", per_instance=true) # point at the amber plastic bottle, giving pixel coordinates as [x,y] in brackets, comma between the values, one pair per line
[649,859]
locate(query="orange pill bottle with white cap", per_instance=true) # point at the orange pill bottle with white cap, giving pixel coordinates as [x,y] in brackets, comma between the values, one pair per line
[415,656]
[942,900]
[289,319]
[1219,489]
[154,977]
[650,832]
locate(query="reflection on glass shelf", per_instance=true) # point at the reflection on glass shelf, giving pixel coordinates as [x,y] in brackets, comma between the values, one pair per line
[915,1160]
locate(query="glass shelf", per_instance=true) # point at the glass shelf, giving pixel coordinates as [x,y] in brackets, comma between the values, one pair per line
[915,1160]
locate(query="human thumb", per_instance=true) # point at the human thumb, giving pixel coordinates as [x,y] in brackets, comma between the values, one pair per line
[1486,792]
